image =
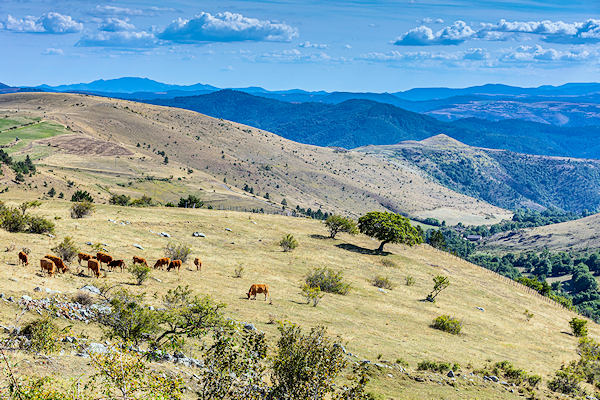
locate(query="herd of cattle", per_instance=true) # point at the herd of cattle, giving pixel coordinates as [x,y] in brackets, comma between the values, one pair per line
[52,264]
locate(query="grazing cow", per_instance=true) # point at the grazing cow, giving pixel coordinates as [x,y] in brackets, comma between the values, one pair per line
[161,262]
[258,288]
[198,264]
[103,258]
[60,265]
[94,265]
[117,263]
[83,257]
[48,266]
[23,259]
[174,264]
[139,260]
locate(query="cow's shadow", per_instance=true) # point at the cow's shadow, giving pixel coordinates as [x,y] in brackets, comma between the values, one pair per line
[357,249]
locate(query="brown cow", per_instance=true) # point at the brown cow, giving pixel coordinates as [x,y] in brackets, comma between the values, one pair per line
[23,259]
[117,263]
[162,262]
[103,258]
[174,264]
[60,265]
[83,257]
[258,288]
[48,266]
[198,264]
[139,260]
[94,265]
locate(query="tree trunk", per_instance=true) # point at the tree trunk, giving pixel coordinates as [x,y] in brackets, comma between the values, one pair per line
[380,249]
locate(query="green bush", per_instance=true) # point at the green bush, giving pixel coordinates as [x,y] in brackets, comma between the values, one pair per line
[448,324]
[119,200]
[437,366]
[15,220]
[288,242]
[410,280]
[190,202]
[140,272]
[327,281]
[81,209]
[566,380]
[177,251]
[337,224]
[440,283]
[43,335]
[383,282]
[579,327]
[82,195]
[66,249]
[312,294]
[39,225]
[144,201]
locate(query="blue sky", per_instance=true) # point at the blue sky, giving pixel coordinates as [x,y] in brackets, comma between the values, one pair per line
[355,45]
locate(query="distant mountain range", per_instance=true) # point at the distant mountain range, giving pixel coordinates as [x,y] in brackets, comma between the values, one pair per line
[355,123]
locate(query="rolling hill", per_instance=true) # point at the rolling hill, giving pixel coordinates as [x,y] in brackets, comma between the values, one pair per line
[504,178]
[381,326]
[361,122]
[116,146]
[577,235]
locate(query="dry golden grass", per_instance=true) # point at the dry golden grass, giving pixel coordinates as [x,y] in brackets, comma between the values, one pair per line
[393,325]
[351,183]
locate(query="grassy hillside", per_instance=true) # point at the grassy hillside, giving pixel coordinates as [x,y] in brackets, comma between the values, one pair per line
[116,146]
[504,178]
[386,325]
[580,234]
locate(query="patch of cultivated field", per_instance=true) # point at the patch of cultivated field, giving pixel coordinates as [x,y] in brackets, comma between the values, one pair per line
[389,325]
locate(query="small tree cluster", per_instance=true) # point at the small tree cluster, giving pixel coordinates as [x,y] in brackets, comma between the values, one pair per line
[336,224]
[82,195]
[190,202]
[66,249]
[288,242]
[81,209]
[312,294]
[140,272]
[328,281]
[177,251]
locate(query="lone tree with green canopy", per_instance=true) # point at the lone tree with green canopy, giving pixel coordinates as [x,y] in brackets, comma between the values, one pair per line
[389,228]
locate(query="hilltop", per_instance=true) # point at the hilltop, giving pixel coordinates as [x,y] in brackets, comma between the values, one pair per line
[375,325]
[504,178]
[578,235]
[112,146]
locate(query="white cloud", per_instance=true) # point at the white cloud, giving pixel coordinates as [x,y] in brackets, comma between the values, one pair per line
[53,52]
[475,54]
[226,27]
[116,25]
[538,53]
[114,10]
[310,45]
[52,23]
[120,39]
[424,36]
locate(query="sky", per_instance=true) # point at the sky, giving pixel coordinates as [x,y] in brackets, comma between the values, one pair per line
[352,45]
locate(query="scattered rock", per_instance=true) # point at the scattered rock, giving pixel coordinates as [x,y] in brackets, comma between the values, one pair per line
[249,327]
[26,298]
[37,289]
[88,243]
[451,374]
[50,235]
[97,348]
[91,289]
[228,229]
[198,234]
[480,309]
[164,234]
[138,246]
[13,279]
[50,291]
[156,279]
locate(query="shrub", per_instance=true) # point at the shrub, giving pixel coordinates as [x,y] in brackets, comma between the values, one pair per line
[83,298]
[66,249]
[144,201]
[119,200]
[566,381]
[327,281]
[514,375]
[440,283]
[177,251]
[81,209]
[383,282]
[337,223]
[312,294]
[140,272]
[579,327]
[190,202]
[388,262]
[448,324]
[437,366]
[39,225]
[288,242]
[13,220]
[82,195]
[42,334]
[238,272]
[410,280]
